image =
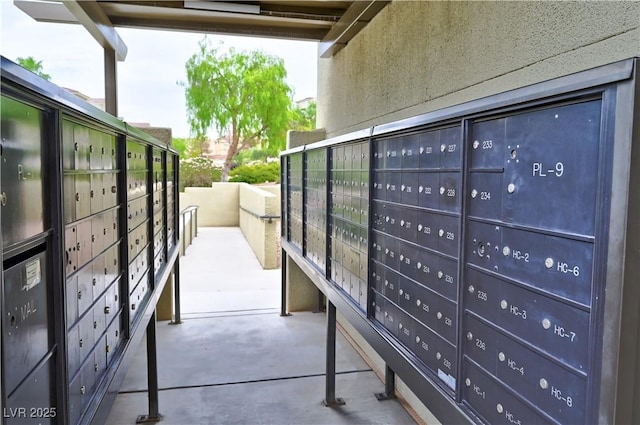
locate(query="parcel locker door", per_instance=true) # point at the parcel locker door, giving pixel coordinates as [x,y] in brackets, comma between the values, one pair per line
[35,399]
[21,184]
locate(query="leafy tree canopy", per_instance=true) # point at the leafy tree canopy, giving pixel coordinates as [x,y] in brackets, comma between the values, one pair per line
[243,94]
[34,66]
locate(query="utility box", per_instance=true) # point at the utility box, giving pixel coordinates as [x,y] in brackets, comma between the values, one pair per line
[501,248]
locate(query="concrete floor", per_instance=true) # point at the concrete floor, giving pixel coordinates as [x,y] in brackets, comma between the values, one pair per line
[234,360]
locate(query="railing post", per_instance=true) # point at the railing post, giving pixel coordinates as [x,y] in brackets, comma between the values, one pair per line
[184,234]
[176,292]
[283,284]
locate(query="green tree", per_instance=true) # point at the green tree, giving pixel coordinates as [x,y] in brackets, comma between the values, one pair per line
[303,119]
[34,66]
[242,94]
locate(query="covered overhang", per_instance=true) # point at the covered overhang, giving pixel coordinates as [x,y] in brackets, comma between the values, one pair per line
[332,23]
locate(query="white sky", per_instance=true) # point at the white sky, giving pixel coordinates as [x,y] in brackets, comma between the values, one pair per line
[147,79]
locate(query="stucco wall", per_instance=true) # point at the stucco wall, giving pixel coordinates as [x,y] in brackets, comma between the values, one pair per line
[218,204]
[419,56]
[261,234]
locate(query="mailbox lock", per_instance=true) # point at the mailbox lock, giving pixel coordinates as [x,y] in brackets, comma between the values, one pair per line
[95,325]
[506,251]
[471,289]
[440,316]
[476,144]
[504,304]
[441,233]
[401,223]
[418,302]
[83,389]
[404,152]
[419,227]
[421,150]
[417,340]
[388,154]
[438,355]
[546,323]
[440,274]
[420,189]
[481,249]
[401,257]
[107,310]
[467,382]
[95,367]
[400,326]
[441,190]
[443,147]
[81,342]
[511,188]
[469,335]
[499,408]
[501,356]
[133,306]
[419,265]
[474,193]
[544,384]
[548,262]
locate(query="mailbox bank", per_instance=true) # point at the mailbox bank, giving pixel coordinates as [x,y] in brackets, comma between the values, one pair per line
[489,252]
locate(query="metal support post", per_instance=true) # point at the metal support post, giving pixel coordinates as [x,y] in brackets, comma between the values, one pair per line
[184,234]
[319,302]
[330,384]
[110,81]
[176,293]
[283,284]
[389,385]
[152,375]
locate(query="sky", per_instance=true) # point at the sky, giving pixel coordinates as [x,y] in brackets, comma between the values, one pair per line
[147,80]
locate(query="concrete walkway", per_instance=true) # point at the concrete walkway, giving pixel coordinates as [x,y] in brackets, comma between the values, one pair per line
[234,360]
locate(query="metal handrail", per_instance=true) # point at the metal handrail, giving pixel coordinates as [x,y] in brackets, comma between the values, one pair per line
[262,217]
[192,210]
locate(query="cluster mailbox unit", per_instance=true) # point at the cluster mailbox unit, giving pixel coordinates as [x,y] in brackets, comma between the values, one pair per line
[88,212]
[489,252]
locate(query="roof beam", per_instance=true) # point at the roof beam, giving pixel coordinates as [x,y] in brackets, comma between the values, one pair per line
[356,17]
[93,18]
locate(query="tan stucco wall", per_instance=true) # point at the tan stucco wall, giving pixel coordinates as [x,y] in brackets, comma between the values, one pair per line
[260,233]
[218,204]
[419,56]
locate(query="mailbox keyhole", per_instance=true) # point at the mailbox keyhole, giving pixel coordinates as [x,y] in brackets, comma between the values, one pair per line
[12,321]
[481,249]
[514,153]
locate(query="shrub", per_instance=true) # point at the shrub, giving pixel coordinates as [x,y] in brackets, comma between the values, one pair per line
[256,173]
[198,172]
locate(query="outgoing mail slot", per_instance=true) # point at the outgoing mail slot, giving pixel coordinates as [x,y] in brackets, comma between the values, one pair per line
[450,148]
[410,153]
[553,158]
[485,195]
[428,190]
[487,147]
